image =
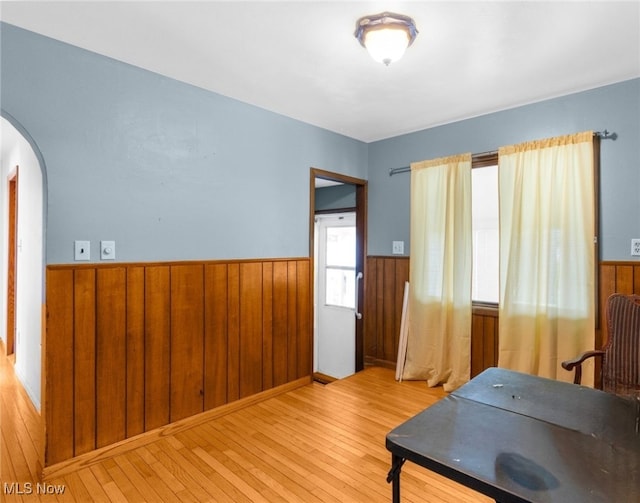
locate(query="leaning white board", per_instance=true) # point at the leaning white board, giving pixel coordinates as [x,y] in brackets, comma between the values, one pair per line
[404,329]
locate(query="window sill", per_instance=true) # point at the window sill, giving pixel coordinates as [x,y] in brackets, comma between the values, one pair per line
[484,309]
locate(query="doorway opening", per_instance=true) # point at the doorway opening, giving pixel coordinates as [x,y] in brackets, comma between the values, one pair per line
[337,214]
[22,255]
[12,262]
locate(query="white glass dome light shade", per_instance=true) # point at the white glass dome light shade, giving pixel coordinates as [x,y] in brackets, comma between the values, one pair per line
[386,35]
[387,43]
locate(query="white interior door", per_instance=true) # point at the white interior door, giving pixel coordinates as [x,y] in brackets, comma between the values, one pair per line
[335,301]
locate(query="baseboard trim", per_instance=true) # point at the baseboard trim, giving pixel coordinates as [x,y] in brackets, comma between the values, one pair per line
[107,452]
[377,362]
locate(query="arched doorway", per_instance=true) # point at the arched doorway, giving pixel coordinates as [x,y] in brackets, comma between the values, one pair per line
[22,258]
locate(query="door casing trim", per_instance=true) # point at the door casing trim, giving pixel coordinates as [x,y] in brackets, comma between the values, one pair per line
[361,248]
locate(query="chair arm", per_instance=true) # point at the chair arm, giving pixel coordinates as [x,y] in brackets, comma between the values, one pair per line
[576,363]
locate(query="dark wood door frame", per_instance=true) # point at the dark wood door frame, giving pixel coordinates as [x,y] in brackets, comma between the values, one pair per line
[361,245]
[12,262]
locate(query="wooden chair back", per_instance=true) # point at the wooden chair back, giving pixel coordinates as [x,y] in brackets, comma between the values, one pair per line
[621,361]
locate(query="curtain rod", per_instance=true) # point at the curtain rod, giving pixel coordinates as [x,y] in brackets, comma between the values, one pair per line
[603,135]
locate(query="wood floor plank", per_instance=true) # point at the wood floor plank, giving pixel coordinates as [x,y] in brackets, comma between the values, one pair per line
[286,490]
[21,434]
[129,490]
[262,465]
[343,450]
[234,472]
[181,467]
[236,429]
[173,483]
[151,476]
[176,477]
[114,492]
[93,486]
[7,471]
[354,488]
[213,482]
[243,486]
[145,489]
[76,488]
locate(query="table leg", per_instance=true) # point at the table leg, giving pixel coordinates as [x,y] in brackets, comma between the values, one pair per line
[394,476]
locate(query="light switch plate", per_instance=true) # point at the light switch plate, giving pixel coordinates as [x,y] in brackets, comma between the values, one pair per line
[397,247]
[107,250]
[82,250]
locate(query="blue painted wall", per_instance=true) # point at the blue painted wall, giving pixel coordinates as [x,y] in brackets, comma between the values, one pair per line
[336,197]
[173,172]
[614,107]
[167,170]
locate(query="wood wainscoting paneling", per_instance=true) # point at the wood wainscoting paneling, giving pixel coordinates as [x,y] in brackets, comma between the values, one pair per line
[385,277]
[134,347]
[384,291]
[385,281]
[484,339]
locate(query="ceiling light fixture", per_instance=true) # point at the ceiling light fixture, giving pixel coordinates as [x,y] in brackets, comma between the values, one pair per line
[386,36]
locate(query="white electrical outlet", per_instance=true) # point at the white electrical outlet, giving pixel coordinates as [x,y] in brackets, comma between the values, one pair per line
[397,247]
[635,247]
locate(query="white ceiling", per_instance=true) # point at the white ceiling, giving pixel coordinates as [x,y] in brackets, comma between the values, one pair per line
[300,58]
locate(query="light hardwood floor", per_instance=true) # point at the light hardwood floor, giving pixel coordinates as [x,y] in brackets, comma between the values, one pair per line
[318,443]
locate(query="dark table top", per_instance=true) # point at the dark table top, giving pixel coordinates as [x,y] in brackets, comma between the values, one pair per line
[517,437]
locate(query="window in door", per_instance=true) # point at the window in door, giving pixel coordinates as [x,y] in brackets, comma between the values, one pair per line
[340,270]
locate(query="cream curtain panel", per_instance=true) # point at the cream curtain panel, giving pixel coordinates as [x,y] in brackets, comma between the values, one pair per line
[439,336]
[547,229]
